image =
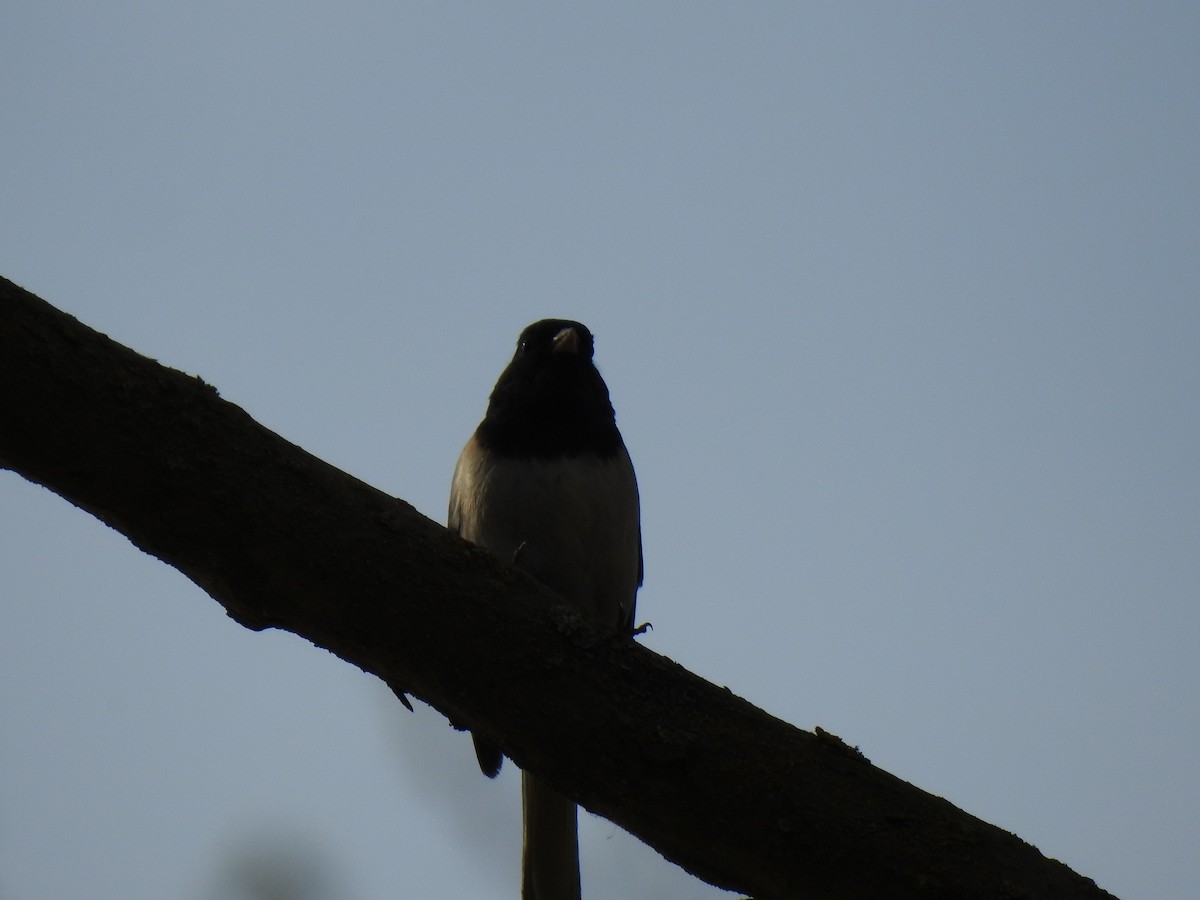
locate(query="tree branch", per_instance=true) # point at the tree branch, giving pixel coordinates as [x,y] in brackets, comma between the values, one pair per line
[284,540]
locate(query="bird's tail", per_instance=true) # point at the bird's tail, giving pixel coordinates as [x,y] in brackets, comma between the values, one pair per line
[550,858]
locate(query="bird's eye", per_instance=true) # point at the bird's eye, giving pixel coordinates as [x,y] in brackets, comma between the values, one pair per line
[523,345]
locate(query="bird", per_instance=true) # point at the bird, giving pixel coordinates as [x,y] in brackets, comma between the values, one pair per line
[546,483]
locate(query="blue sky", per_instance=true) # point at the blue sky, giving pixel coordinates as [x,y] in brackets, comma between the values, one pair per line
[899,308]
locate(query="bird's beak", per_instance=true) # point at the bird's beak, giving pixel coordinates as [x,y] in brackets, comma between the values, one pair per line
[566,341]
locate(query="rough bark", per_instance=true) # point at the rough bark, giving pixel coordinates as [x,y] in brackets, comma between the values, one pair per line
[284,540]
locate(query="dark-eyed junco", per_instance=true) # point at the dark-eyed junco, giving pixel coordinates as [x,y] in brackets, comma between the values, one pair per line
[546,482]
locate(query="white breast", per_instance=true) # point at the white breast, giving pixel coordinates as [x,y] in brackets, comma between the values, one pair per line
[575,520]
